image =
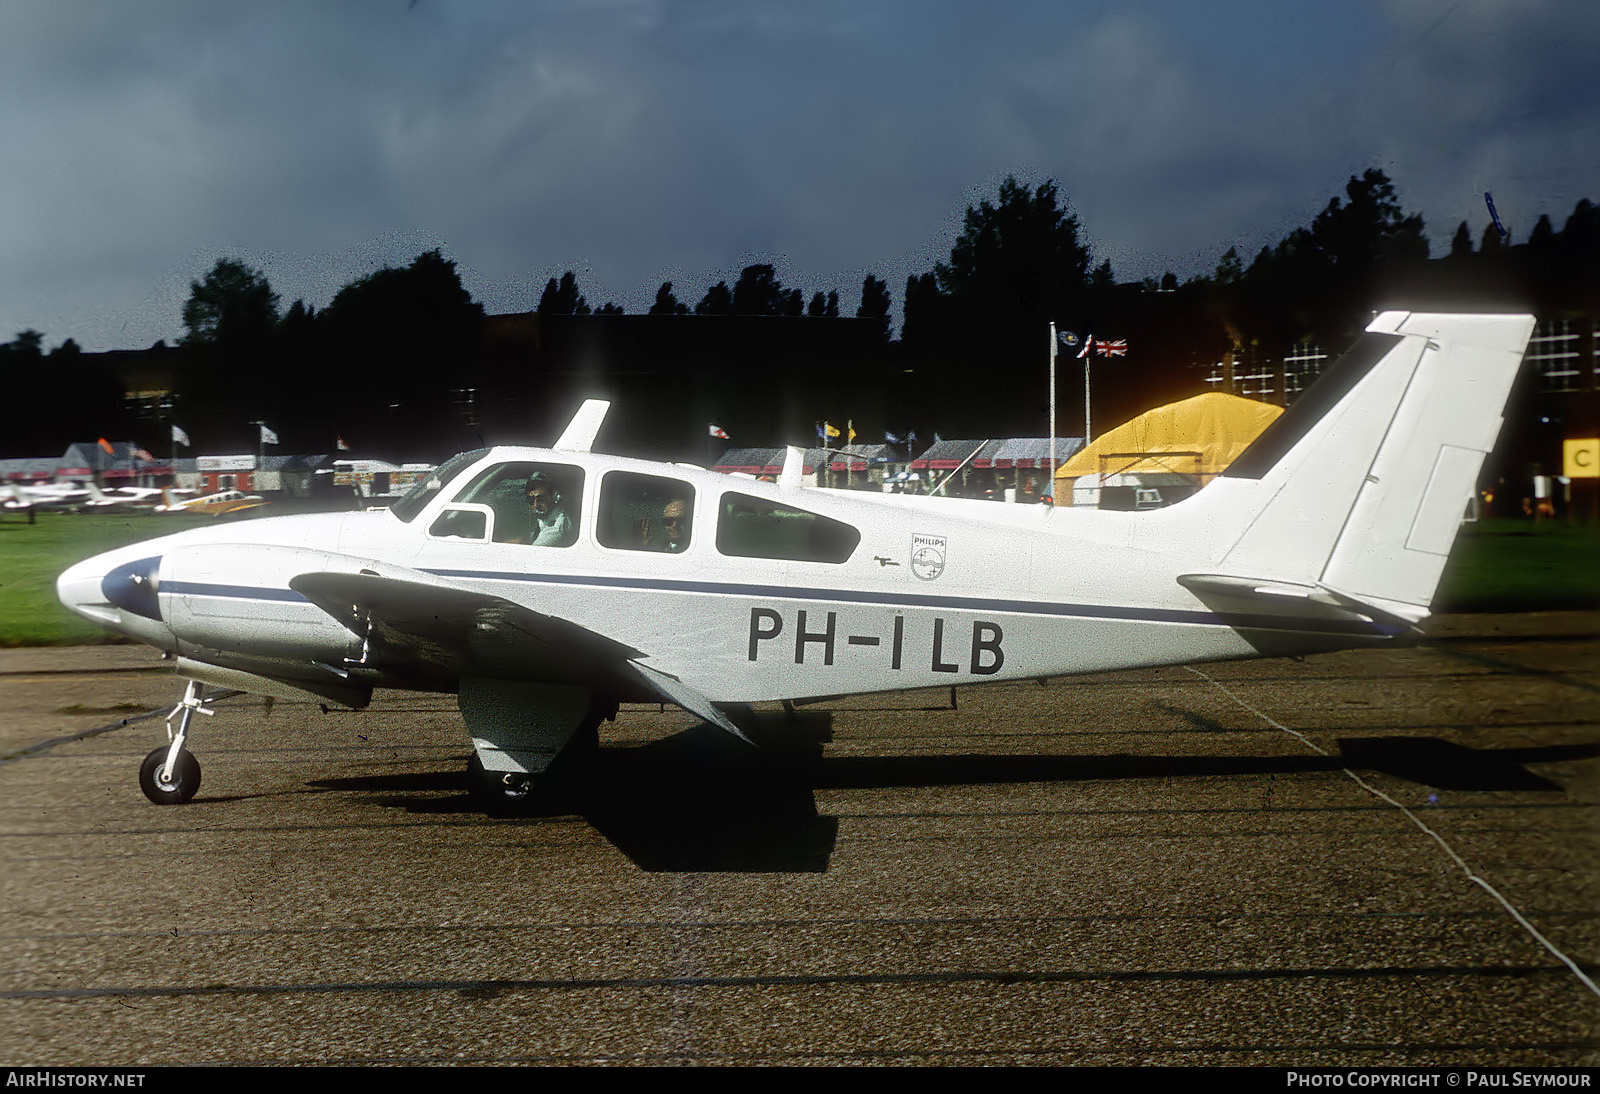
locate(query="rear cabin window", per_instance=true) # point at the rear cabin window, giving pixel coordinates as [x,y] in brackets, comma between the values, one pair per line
[538,504]
[645,513]
[750,527]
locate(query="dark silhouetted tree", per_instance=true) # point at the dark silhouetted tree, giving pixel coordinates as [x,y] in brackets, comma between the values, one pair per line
[875,305]
[1321,281]
[1018,265]
[420,327]
[824,305]
[1543,235]
[232,305]
[563,297]
[666,303]
[1229,270]
[718,300]
[758,292]
[27,344]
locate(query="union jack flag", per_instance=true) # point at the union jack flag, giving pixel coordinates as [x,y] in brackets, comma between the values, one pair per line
[1119,348]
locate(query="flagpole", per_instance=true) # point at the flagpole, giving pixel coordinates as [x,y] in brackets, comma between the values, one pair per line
[1052,410]
[1088,434]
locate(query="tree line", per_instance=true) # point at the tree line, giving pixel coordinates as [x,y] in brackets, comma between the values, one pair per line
[394,353]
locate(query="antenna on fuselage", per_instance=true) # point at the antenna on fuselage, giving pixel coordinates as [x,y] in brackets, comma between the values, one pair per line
[580,432]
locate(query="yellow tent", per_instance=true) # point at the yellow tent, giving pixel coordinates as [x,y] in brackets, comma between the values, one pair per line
[1198,437]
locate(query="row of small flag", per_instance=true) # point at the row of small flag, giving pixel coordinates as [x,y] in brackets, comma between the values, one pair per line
[179,436]
[827,431]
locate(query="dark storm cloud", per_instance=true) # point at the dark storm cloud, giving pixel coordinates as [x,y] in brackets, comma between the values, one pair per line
[636,142]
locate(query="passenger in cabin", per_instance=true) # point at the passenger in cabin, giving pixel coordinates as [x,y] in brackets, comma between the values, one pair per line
[673,533]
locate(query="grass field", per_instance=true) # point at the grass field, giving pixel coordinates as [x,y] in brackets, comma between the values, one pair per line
[1498,566]
[1508,565]
[32,555]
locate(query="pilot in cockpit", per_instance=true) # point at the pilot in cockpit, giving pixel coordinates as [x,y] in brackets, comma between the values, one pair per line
[548,523]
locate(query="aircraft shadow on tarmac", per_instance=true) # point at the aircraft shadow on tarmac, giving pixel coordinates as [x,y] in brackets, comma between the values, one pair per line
[699,801]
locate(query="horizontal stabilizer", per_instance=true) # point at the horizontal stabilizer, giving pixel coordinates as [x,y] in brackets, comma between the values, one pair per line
[1278,603]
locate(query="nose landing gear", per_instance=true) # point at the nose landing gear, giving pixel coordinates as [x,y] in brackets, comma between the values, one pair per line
[170,775]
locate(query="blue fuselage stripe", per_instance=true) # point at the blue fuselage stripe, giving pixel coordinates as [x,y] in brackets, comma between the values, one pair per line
[841,596]
[924,600]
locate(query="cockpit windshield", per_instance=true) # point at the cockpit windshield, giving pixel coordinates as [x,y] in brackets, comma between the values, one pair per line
[426,490]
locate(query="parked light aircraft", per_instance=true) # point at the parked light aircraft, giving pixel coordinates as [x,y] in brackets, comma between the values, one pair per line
[78,496]
[545,586]
[218,504]
[12,498]
[51,495]
[123,497]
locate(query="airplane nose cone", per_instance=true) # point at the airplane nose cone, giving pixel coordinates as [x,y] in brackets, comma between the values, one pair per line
[78,588]
[133,587]
[95,590]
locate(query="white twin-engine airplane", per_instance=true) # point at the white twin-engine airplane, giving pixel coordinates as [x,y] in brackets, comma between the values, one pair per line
[546,586]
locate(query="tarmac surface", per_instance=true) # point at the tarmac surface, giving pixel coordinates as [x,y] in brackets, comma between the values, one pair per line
[1362,859]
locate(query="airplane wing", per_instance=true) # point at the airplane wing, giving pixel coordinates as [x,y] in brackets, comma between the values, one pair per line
[469,633]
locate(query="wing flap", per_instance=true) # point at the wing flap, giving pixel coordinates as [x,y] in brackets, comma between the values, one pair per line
[462,630]
[474,634]
[676,691]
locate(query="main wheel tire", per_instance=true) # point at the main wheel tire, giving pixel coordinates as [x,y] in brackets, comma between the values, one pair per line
[176,789]
[495,793]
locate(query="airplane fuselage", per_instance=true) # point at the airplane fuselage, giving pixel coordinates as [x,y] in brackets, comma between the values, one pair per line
[936,592]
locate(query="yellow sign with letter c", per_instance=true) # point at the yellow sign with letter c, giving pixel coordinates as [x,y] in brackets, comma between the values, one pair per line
[1581,458]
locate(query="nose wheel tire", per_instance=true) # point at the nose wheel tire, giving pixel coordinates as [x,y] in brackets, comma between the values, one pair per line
[178,786]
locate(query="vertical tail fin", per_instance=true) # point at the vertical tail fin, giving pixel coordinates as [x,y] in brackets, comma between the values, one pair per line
[1360,486]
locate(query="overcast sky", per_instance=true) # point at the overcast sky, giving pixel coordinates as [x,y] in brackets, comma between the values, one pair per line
[642,141]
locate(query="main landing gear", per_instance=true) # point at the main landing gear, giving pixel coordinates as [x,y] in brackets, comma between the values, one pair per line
[509,793]
[170,775]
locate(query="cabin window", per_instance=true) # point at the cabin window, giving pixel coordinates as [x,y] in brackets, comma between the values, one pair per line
[537,504]
[428,489]
[645,513]
[461,523]
[751,527]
